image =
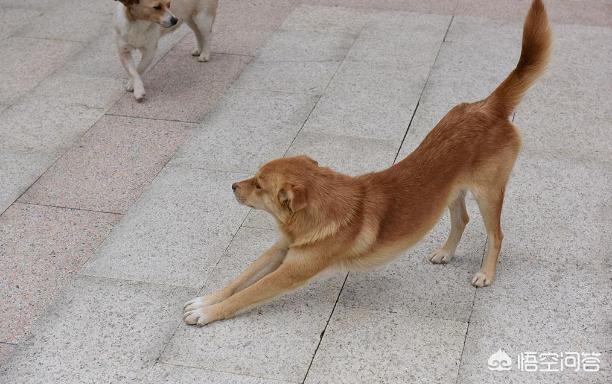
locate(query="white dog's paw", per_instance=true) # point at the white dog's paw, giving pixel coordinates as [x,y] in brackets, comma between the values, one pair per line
[129,86]
[441,256]
[139,94]
[480,280]
[195,52]
[204,57]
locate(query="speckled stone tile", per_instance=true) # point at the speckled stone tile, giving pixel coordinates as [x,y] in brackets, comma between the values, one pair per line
[261,124]
[567,295]
[38,124]
[66,22]
[592,12]
[122,326]
[305,46]
[260,219]
[304,77]
[110,166]
[6,352]
[369,101]
[181,88]
[553,113]
[56,112]
[276,340]
[25,62]
[29,4]
[347,154]
[517,316]
[175,232]
[409,40]
[556,210]
[433,6]
[11,19]
[18,170]
[327,19]
[243,26]
[171,374]
[377,347]
[412,285]
[40,249]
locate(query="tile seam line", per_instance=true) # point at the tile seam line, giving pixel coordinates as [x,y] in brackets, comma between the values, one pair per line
[322,334]
[292,141]
[61,152]
[16,201]
[61,296]
[68,208]
[423,89]
[403,314]
[81,274]
[226,372]
[467,329]
[201,287]
[168,165]
[340,63]
[196,124]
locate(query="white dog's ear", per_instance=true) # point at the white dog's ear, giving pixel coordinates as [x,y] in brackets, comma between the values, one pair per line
[292,197]
[128,3]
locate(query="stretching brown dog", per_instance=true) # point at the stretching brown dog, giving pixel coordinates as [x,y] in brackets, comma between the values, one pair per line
[333,221]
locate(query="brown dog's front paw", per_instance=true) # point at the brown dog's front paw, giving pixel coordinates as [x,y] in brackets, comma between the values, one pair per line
[480,280]
[199,315]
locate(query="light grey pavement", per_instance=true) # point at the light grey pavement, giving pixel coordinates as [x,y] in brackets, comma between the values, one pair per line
[114,213]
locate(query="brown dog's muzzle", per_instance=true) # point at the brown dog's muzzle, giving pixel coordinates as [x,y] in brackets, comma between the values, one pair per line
[240,191]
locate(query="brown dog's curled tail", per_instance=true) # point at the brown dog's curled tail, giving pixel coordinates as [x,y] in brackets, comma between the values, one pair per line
[537,41]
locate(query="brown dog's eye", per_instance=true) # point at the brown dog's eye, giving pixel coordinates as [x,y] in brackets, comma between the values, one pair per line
[158,7]
[257,186]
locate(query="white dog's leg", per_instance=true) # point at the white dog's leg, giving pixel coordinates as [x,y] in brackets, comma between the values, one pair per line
[203,29]
[148,54]
[135,82]
[198,35]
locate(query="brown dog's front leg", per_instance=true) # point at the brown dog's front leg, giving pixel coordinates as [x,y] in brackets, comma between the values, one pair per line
[292,273]
[266,263]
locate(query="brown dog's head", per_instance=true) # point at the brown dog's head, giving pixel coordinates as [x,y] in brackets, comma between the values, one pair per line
[279,187]
[157,11]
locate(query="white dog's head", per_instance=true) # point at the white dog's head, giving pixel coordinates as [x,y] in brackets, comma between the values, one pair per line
[157,11]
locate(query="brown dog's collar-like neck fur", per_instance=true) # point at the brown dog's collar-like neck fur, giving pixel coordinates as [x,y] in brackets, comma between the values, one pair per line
[317,222]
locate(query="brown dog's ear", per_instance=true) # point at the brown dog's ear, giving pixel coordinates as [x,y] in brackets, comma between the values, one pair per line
[127,3]
[293,197]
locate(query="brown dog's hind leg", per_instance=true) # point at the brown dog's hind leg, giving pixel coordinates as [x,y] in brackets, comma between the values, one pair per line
[490,203]
[459,219]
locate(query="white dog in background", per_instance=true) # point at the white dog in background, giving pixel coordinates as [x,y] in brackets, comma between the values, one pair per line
[140,23]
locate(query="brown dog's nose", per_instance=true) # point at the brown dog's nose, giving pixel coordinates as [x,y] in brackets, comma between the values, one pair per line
[234,187]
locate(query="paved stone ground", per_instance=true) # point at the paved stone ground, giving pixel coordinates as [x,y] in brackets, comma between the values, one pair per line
[105,231]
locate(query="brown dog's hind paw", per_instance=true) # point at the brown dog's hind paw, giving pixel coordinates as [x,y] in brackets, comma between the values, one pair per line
[480,280]
[441,256]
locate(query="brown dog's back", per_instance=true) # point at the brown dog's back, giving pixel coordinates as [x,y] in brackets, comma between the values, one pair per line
[473,147]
